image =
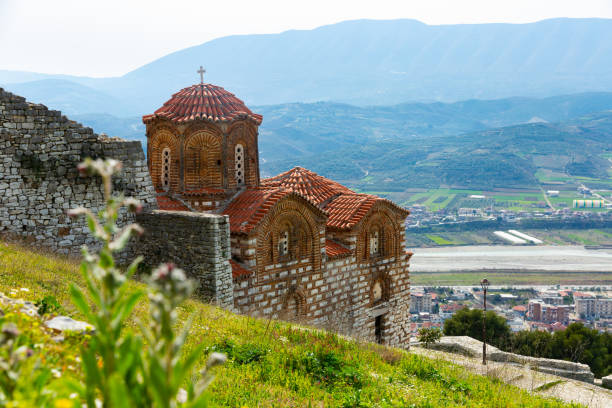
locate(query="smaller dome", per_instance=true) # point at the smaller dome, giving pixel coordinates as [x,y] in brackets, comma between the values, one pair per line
[204,102]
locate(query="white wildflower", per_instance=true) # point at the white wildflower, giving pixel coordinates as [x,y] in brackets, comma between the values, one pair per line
[181,396]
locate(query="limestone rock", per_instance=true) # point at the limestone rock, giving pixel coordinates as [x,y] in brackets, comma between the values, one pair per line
[65,323]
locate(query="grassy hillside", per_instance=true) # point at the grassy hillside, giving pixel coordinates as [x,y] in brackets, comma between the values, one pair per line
[272,363]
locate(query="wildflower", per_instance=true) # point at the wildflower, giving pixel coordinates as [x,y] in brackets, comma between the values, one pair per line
[56,373]
[181,396]
[215,359]
[24,289]
[133,205]
[63,403]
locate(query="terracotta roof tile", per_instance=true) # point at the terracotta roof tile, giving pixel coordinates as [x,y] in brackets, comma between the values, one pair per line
[169,204]
[334,249]
[204,102]
[249,208]
[344,207]
[238,270]
[309,184]
[347,210]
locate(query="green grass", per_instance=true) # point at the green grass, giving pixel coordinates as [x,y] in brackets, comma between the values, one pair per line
[276,364]
[510,278]
[441,240]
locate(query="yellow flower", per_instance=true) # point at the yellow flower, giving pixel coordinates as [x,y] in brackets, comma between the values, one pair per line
[63,403]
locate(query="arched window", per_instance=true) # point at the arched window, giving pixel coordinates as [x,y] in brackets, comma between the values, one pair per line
[239,164]
[293,308]
[165,168]
[283,243]
[374,243]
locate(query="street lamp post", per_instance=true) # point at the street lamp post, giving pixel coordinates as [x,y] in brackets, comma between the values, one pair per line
[484,284]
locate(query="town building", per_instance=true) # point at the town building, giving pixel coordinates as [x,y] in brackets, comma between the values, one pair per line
[303,247]
[539,311]
[420,303]
[594,308]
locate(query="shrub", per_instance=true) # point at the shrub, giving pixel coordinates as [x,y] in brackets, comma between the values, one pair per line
[241,353]
[468,322]
[47,305]
[328,367]
[429,335]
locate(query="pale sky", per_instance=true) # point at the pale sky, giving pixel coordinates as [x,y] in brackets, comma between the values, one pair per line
[112,37]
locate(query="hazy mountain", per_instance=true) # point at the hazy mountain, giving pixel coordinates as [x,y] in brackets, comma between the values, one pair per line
[368,62]
[69,97]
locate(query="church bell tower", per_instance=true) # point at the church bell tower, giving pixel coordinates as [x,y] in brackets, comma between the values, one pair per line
[202,146]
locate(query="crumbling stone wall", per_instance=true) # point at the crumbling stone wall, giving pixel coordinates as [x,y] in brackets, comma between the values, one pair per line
[197,242]
[39,152]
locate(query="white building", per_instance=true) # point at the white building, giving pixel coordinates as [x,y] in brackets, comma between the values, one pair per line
[594,308]
[420,302]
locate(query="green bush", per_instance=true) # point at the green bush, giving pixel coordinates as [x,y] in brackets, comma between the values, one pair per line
[468,322]
[429,335]
[241,353]
[48,305]
[576,343]
[328,367]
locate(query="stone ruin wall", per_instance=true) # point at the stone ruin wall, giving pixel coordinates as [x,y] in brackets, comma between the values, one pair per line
[39,181]
[197,242]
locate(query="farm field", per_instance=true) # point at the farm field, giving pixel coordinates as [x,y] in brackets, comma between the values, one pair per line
[461,278]
[510,199]
[484,237]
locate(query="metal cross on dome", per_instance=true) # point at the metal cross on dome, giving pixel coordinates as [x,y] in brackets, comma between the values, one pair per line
[201,71]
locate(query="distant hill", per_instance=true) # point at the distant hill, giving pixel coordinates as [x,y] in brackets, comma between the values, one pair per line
[69,97]
[367,62]
[292,131]
[519,156]
[515,142]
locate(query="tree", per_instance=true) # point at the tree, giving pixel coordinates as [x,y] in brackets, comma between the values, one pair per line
[468,322]
[429,335]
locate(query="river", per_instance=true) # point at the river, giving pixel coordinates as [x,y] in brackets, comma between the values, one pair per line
[542,257]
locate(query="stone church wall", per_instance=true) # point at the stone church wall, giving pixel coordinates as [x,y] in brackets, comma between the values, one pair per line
[197,242]
[337,297]
[39,181]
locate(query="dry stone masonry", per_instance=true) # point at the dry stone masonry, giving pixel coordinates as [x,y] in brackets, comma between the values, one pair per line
[39,181]
[197,242]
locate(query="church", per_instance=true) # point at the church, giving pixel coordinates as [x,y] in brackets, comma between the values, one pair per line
[303,247]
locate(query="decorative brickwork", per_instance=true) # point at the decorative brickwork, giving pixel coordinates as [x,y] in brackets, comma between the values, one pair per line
[202,125]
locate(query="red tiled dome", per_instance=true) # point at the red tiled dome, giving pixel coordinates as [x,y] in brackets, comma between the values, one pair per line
[204,102]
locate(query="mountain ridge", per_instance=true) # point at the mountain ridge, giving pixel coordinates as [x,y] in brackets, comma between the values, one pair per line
[379,62]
